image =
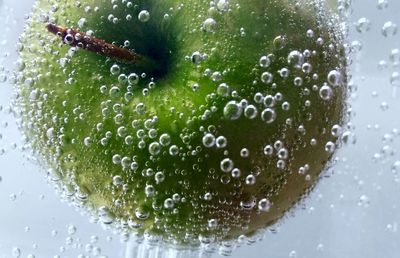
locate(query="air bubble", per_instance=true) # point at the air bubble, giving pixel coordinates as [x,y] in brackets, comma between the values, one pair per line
[115,69]
[209,25]
[268,150]
[296,59]
[250,112]
[221,142]
[250,180]
[264,61]
[232,110]
[144,16]
[226,165]
[244,153]
[196,58]
[383,4]
[159,177]
[223,90]
[266,78]
[269,101]
[330,147]
[334,78]
[264,205]
[268,115]
[154,148]
[133,78]
[363,25]
[389,29]
[248,203]
[236,173]
[118,181]
[223,5]
[173,150]
[165,139]
[280,42]
[168,203]
[325,92]
[208,140]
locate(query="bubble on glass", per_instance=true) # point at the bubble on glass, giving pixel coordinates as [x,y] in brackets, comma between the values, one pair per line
[389,29]
[363,25]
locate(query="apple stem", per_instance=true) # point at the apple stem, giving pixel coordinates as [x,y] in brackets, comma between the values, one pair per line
[79,39]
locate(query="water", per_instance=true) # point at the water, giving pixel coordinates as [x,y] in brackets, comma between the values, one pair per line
[352,212]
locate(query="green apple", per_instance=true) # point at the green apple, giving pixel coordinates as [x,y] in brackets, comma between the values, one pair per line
[183,119]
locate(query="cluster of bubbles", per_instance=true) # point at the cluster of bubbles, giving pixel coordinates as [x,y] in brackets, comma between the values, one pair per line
[168,166]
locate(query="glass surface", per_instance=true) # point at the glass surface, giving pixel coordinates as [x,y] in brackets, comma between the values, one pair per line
[352,212]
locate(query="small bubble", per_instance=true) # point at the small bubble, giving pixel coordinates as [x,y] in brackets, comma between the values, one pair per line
[394,56]
[330,147]
[250,180]
[232,110]
[244,153]
[133,78]
[269,101]
[264,205]
[250,112]
[236,173]
[118,181]
[248,203]
[226,165]
[71,229]
[87,141]
[197,58]
[223,5]
[266,78]
[16,252]
[264,61]
[165,139]
[334,78]
[209,25]
[296,59]
[268,150]
[395,79]
[280,42]
[293,254]
[208,140]
[207,196]
[173,150]
[364,201]
[268,115]
[116,159]
[168,203]
[154,148]
[216,76]
[149,190]
[115,69]
[212,223]
[383,4]
[325,92]
[159,177]
[144,16]
[221,142]
[389,29]
[13,197]
[223,90]
[363,25]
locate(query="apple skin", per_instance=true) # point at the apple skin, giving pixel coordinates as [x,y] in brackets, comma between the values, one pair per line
[99,133]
